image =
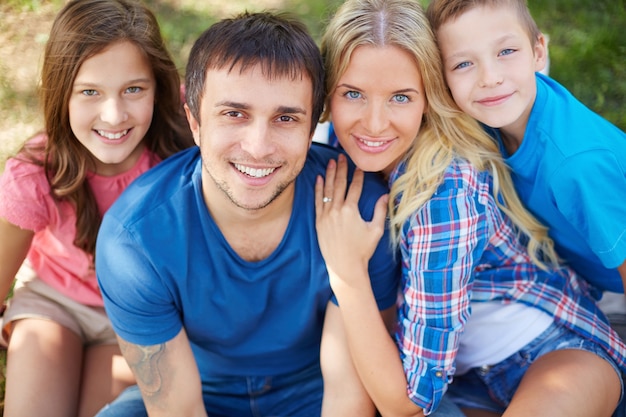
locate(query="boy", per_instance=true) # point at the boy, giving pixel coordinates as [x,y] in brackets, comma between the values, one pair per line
[568,163]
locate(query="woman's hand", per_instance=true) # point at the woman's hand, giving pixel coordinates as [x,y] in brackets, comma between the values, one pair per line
[346,240]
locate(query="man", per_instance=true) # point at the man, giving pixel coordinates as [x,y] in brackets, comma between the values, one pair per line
[209,265]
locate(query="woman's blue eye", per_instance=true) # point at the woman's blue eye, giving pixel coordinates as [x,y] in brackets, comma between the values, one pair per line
[401,98]
[353,94]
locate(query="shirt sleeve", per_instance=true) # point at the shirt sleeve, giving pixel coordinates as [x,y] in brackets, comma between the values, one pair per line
[442,243]
[25,198]
[590,191]
[384,266]
[138,303]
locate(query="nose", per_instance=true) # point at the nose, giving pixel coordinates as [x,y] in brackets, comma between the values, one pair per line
[113,111]
[490,75]
[375,117]
[257,140]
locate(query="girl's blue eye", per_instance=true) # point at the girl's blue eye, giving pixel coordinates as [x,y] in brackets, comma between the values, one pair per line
[462,65]
[133,90]
[89,92]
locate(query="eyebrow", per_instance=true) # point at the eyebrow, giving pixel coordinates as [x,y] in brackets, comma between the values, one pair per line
[130,82]
[244,106]
[507,37]
[401,91]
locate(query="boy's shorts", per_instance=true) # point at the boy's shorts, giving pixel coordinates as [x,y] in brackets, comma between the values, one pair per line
[34,299]
[492,387]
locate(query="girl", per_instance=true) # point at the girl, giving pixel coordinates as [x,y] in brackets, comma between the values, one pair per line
[483,298]
[112,110]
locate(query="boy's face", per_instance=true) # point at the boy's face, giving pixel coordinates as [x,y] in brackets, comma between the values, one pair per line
[489,64]
[254,135]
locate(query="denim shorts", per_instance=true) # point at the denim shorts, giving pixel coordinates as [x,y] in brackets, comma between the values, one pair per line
[492,387]
[297,394]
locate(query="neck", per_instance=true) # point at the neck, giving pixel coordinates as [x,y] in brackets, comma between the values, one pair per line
[252,234]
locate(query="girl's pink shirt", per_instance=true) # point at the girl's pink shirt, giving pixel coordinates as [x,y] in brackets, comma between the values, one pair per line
[25,201]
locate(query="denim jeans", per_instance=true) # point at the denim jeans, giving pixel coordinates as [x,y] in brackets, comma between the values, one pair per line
[492,387]
[288,396]
[294,395]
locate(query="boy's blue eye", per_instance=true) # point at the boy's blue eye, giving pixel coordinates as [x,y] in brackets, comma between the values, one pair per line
[507,51]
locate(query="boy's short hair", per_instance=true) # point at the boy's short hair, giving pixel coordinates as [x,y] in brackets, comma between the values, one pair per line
[440,12]
[277,42]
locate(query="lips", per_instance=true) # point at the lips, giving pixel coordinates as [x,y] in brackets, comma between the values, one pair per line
[372,145]
[254,172]
[112,135]
[494,100]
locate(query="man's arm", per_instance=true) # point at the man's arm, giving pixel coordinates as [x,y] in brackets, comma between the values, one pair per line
[344,394]
[167,375]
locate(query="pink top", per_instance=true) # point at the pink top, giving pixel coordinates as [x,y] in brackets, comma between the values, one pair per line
[25,201]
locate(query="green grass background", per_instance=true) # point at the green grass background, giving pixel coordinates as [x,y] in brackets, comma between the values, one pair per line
[587,47]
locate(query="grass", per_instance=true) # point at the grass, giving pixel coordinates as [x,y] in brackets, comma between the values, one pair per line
[587,51]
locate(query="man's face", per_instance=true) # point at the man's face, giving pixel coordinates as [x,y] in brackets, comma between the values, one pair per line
[253,133]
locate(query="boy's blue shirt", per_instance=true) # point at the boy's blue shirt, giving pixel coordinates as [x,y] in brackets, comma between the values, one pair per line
[570,172]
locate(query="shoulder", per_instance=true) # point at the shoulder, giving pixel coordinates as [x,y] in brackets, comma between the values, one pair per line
[560,115]
[158,184]
[461,175]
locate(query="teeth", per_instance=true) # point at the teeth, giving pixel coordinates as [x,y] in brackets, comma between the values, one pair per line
[254,172]
[112,136]
[372,144]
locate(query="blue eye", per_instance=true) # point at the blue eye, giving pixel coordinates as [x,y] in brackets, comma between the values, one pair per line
[401,98]
[507,51]
[89,92]
[134,90]
[353,95]
[462,65]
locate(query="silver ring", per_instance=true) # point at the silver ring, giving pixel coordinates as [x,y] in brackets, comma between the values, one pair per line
[326,200]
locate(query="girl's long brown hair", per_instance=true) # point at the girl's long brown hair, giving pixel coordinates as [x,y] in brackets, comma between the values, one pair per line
[82,29]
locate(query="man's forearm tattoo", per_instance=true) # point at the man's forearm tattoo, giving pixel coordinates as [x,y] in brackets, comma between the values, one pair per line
[144,361]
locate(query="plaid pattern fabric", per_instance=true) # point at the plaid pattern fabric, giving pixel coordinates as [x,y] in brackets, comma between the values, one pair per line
[460,248]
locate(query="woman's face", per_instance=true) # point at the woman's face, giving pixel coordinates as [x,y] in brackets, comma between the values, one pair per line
[377,106]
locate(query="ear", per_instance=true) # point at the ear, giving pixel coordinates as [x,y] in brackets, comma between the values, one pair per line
[194,125]
[541,52]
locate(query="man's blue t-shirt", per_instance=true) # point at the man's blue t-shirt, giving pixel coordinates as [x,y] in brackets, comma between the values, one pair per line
[163,264]
[570,172]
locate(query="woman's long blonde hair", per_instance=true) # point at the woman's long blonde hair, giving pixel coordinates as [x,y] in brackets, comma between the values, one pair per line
[446,132]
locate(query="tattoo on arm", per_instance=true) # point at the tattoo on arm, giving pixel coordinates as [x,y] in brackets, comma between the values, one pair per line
[144,361]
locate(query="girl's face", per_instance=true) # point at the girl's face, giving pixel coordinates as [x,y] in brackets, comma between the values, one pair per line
[111,106]
[377,106]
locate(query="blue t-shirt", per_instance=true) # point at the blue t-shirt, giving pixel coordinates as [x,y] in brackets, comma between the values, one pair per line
[570,172]
[163,264]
